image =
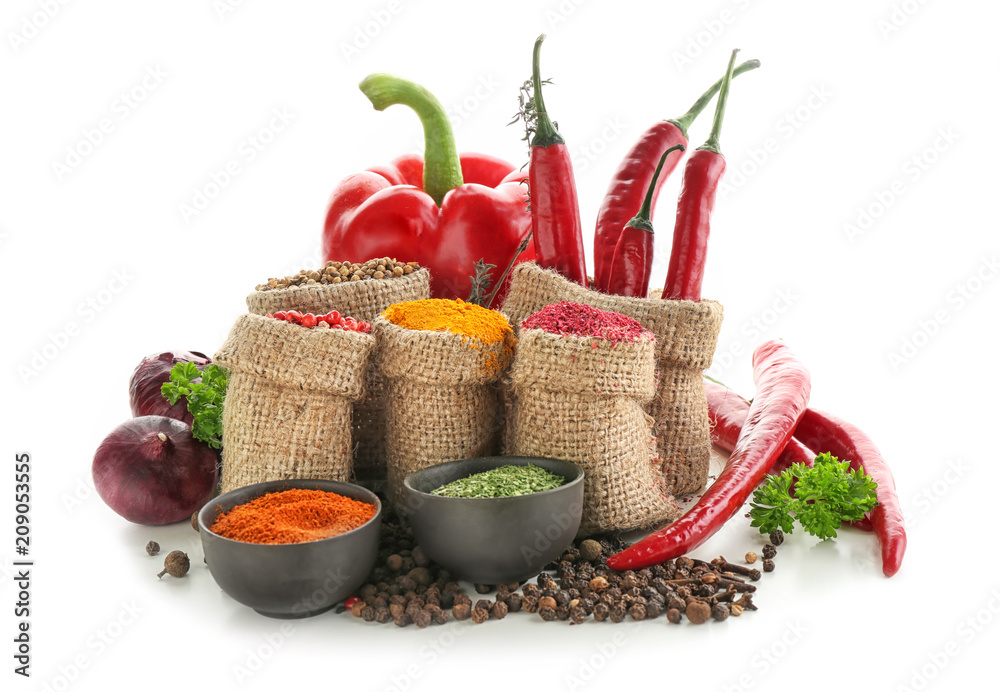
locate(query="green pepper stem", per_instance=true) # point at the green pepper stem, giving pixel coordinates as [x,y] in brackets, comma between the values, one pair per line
[642,219]
[442,167]
[546,133]
[684,122]
[712,144]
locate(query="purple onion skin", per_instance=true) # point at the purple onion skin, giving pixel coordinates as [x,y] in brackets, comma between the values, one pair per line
[151,471]
[144,386]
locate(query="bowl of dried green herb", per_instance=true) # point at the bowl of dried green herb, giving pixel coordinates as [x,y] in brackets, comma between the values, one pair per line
[494,520]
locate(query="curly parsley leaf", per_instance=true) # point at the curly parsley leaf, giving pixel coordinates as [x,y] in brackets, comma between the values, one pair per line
[205,391]
[820,498]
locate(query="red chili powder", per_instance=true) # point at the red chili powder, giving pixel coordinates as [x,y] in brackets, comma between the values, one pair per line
[575,319]
[293,516]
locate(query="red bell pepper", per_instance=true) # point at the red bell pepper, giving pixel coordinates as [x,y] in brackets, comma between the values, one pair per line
[443,210]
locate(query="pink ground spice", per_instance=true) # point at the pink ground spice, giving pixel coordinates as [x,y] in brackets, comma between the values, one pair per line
[576,319]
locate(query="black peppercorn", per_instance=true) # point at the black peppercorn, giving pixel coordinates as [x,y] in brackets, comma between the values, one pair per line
[768,551]
[637,611]
[422,619]
[382,615]
[514,602]
[577,615]
[768,565]
[673,615]
[562,598]
[367,613]
[562,612]
[152,548]
[654,609]
[529,603]
[441,617]
[547,613]
[601,612]
[483,588]
[617,612]
[461,611]
[499,610]
[401,621]
[777,537]
[462,598]
[720,612]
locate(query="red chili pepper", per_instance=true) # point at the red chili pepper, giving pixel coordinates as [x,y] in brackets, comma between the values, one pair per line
[702,174]
[632,264]
[783,386]
[555,210]
[629,183]
[442,210]
[727,413]
[821,431]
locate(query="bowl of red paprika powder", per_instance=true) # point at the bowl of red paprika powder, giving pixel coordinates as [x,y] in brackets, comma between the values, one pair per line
[294,548]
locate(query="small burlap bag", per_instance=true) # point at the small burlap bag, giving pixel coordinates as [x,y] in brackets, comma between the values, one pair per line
[363,300]
[288,404]
[686,335]
[581,399]
[443,399]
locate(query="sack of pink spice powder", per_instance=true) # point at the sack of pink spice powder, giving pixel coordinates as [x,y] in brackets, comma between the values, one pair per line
[579,381]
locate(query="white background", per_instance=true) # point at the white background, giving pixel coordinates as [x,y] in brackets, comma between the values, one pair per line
[887,107]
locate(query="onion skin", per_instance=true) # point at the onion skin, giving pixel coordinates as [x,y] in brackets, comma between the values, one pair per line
[147,378]
[152,471]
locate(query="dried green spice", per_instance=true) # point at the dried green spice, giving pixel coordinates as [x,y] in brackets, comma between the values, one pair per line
[503,481]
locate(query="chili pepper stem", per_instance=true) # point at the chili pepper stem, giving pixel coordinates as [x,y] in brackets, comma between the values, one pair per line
[684,122]
[546,133]
[442,167]
[642,219]
[712,144]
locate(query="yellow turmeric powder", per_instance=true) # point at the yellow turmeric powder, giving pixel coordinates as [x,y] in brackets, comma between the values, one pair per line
[457,316]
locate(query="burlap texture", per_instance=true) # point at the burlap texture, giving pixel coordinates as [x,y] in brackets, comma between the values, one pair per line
[363,300]
[686,336]
[580,399]
[442,400]
[288,404]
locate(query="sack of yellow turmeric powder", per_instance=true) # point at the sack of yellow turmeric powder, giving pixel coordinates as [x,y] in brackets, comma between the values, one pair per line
[289,400]
[441,361]
[686,335]
[578,383]
[363,299]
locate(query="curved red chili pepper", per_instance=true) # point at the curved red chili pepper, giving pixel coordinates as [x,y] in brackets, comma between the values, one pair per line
[783,386]
[821,431]
[555,209]
[702,174]
[727,413]
[632,264]
[630,181]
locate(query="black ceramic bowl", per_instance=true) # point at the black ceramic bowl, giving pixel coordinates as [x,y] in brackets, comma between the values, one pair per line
[292,580]
[493,540]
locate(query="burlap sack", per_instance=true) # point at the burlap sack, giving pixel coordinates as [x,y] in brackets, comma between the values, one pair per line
[363,300]
[581,399]
[443,399]
[288,404]
[686,335]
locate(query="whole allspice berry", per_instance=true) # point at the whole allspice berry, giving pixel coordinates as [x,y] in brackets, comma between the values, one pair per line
[590,550]
[698,612]
[194,522]
[176,564]
[152,548]
[673,616]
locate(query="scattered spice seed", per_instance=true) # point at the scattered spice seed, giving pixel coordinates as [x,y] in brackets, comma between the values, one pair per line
[769,551]
[194,522]
[777,537]
[768,565]
[751,557]
[698,612]
[152,548]
[480,615]
[176,564]
[461,611]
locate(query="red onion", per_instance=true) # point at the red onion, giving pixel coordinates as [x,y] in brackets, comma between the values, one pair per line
[144,387]
[152,471]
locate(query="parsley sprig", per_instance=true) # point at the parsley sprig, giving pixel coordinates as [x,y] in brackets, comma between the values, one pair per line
[820,498]
[205,391]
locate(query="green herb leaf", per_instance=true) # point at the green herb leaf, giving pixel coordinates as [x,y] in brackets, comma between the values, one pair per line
[820,498]
[503,481]
[205,398]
